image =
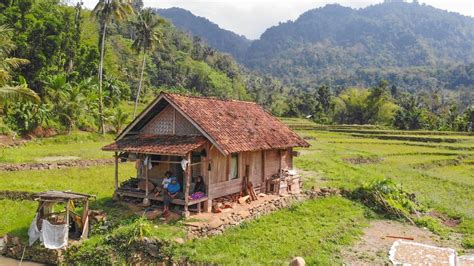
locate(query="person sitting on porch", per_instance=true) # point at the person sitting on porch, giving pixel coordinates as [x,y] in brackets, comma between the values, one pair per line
[171,192]
[164,184]
[199,189]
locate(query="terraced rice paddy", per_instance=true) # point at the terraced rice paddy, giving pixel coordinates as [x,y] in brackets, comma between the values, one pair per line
[437,166]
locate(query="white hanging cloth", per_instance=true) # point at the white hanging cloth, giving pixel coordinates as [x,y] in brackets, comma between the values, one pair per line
[184,164]
[54,236]
[33,232]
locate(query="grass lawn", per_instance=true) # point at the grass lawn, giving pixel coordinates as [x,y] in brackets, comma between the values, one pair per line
[83,145]
[315,230]
[99,181]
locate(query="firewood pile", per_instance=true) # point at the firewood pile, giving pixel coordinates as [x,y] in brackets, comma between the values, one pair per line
[225,202]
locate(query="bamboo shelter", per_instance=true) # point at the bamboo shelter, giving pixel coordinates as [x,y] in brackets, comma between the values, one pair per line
[227,143]
[54,227]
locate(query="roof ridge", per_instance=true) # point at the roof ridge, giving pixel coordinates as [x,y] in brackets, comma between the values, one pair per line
[209,98]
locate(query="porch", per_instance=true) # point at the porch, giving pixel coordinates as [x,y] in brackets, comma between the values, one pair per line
[184,156]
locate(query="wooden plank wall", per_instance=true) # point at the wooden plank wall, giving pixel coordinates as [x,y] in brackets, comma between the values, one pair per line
[272,163]
[287,160]
[218,166]
[255,163]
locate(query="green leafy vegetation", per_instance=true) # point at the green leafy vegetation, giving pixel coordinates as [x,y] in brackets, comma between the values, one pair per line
[385,197]
[73,45]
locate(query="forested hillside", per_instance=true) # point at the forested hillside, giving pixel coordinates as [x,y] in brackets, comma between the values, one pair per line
[50,56]
[221,39]
[413,46]
[57,75]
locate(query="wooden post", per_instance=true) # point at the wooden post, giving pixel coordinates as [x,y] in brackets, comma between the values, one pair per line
[281,163]
[116,171]
[146,201]
[263,169]
[85,219]
[208,202]
[186,186]
[67,216]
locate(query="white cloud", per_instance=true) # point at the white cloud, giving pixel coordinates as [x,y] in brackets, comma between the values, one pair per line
[252,17]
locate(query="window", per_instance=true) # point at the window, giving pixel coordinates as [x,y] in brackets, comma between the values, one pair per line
[234,167]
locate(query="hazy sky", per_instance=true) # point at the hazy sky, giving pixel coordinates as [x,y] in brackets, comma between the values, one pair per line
[252,17]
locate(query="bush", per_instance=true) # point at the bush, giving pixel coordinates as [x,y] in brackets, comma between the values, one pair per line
[385,197]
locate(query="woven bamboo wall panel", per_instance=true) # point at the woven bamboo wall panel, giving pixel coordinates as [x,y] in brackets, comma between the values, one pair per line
[162,124]
[184,127]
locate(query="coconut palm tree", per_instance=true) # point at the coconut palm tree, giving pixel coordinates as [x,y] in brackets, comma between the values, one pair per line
[105,12]
[7,66]
[147,36]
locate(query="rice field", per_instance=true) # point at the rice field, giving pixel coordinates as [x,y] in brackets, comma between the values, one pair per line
[437,166]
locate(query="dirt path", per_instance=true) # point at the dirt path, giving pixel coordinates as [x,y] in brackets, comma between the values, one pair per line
[374,245]
[4,261]
[54,164]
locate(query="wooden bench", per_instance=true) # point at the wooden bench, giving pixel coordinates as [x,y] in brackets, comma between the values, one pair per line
[160,198]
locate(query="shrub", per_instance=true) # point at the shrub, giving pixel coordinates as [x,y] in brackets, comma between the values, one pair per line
[385,197]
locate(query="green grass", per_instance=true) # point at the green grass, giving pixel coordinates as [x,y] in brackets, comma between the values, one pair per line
[99,181]
[315,230]
[16,217]
[83,145]
[440,175]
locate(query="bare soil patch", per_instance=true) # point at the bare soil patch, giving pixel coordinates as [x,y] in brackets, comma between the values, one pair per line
[57,158]
[374,245]
[60,164]
[362,160]
[7,141]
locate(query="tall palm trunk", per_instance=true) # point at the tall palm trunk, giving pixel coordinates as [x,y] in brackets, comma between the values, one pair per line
[139,86]
[101,68]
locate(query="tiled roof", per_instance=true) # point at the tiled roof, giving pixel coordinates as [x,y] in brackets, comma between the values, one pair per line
[237,126]
[154,144]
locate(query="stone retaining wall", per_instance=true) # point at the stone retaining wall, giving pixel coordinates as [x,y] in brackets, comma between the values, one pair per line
[55,165]
[12,247]
[217,227]
[16,195]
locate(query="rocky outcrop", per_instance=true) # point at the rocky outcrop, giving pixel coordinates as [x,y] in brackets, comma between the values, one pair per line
[55,165]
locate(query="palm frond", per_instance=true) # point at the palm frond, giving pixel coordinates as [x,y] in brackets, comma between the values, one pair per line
[21,92]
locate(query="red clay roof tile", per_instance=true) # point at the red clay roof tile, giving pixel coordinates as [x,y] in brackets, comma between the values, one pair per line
[237,126]
[154,144]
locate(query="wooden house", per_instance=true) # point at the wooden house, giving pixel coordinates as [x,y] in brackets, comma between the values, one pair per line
[221,140]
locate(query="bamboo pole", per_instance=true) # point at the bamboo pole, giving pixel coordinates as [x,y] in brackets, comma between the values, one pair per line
[116,171]
[146,201]
[186,186]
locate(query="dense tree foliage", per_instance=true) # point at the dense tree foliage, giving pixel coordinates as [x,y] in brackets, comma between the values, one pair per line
[56,52]
[221,39]
[411,45]
[60,47]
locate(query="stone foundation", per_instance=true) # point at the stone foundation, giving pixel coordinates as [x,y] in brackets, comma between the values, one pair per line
[218,226]
[13,248]
[55,165]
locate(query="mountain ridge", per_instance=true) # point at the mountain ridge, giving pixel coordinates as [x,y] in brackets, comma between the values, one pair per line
[224,40]
[412,45]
